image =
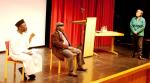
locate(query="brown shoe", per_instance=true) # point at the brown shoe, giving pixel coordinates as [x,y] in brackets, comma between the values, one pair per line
[72,74]
[141,58]
[81,69]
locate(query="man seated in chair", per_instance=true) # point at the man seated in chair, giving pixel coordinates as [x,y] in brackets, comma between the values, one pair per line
[62,45]
[19,43]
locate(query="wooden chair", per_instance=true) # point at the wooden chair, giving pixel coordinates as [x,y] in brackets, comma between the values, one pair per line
[10,60]
[59,62]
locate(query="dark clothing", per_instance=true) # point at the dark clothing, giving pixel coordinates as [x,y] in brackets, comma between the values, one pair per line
[138,45]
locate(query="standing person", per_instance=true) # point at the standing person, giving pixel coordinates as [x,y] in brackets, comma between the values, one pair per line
[62,45]
[137,26]
[19,43]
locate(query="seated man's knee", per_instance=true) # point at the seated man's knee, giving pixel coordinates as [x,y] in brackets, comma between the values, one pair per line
[79,51]
[72,55]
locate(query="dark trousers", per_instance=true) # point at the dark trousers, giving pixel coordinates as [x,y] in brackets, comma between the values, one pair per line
[138,45]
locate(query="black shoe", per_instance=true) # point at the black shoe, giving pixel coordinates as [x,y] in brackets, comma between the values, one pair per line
[73,74]
[81,69]
[20,70]
[32,77]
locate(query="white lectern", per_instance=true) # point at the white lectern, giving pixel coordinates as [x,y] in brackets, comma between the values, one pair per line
[88,47]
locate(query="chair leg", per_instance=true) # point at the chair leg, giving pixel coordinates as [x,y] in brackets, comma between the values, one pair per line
[59,66]
[6,65]
[51,58]
[75,64]
[22,73]
[14,70]
[5,70]
[66,64]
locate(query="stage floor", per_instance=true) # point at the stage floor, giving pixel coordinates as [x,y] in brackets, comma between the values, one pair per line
[99,66]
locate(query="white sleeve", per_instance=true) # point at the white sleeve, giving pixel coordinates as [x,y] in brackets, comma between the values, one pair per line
[13,43]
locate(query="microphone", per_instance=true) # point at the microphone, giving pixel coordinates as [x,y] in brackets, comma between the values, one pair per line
[82,10]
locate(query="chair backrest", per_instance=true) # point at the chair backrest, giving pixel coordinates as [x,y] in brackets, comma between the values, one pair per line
[7,49]
[7,46]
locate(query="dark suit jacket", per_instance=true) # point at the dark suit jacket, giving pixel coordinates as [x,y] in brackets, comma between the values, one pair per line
[57,45]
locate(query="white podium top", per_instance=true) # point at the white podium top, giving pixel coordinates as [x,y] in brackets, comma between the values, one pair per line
[108,33]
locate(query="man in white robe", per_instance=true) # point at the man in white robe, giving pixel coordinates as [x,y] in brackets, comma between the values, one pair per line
[19,44]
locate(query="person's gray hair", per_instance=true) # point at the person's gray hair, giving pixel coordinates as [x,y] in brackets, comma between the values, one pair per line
[140,11]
